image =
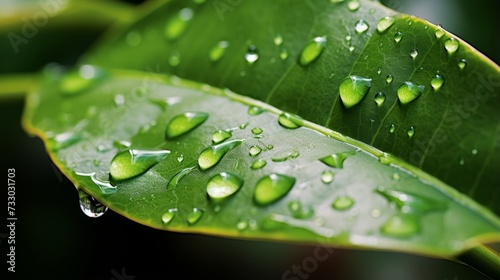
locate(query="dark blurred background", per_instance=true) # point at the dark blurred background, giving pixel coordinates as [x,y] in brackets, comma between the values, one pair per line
[55,240]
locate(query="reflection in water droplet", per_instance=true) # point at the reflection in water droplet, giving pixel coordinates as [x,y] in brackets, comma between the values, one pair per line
[451,45]
[257,130]
[174,181]
[271,188]
[327,177]
[398,36]
[353,89]
[221,136]
[290,121]
[223,185]
[255,151]
[361,26]
[380,99]
[210,156]
[134,162]
[184,123]
[194,216]
[408,91]
[312,50]
[258,164]
[337,160]
[168,216]
[384,23]
[218,51]
[252,54]
[299,211]
[436,82]
[342,203]
[178,24]
[90,206]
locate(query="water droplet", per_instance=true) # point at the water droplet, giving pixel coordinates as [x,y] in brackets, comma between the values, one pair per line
[242,224]
[174,59]
[461,161]
[168,216]
[436,82]
[223,185]
[133,38]
[258,164]
[221,136]
[299,211]
[439,31]
[336,160]
[254,110]
[252,54]
[342,203]
[178,24]
[278,40]
[180,158]
[130,163]
[82,79]
[64,140]
[395,176]
[218,51]
[285,158]
[474,151]
[411,132]
[257,130]
[102,181]
[120,145]
[271,188]
[389,79]
[462,64]
[336,1]
[96,162]
[384,23]
[353,5]
[210,156]
[451,45]
[312,50]
[408,91]
[353,89]
[327,177]
[290,121]
[119,100]
[414,54]
[392,128]
[90,206]
[184,123]
[398,36]
[255,151]
[380,99]
[174,181]
[194,216]
[411,203]
[244,125]
[401,225]
[361,26]
[284,54]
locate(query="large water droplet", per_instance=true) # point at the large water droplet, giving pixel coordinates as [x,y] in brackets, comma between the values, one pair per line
[361,26]
[223,185]
[327,177]
[218,51]
[174,181]
[402,225]
[299,211]
[221,136]
[210,156]
[384,23]
[380,99]
[408,91]
[451,45]
[252,54]
[254,151]
[194,216]
[312,50]
[342,203]
[353,89]
[290,121]
[90,206]
[168,216]
[178,24]
[258,164]
[336,160]
[184,123]
[398,36]
[81,80]
[130,163]
[414,54]
[271,188]
[353,5]
[439,31]
[436,82]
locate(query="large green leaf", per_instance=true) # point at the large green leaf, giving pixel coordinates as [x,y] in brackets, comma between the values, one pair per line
[123,138]
[451,130]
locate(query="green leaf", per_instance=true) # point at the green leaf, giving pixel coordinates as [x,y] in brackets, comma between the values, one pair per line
[317,185]
[432,99]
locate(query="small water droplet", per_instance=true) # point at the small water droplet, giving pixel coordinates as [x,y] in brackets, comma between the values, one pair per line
[327,177]
[375,213]
[178,24]
[223,185]
[461,161]
[278,40]
[312,50]
[134,162]
[133,38]
[254,110]
[64,140]
[353,5]
[255,151]
[351,49]
[462,64]
[174,181]
[384,23]
[380,99]
[284,54]
[389,79]
[257,130]
[439,31]
[392,128]
[258,164]
[290,121]
[408,91]
[244,125]
[299,211]
[81,80]
[174,59]
[271,188]
[252,54]
[395,176]
[221,136]
[168,216]
[336,160]
[474,151]
[401,225]
[285,158]
[119,100]
[180,158]
[218,51]
[194,216]
[184,123]
[342,203]
[361,26]
[451,45]
[437,81]
[242,224]
[411,132]
[353,89]
[210,156]
[398,36]
[90,206]
[414,54]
